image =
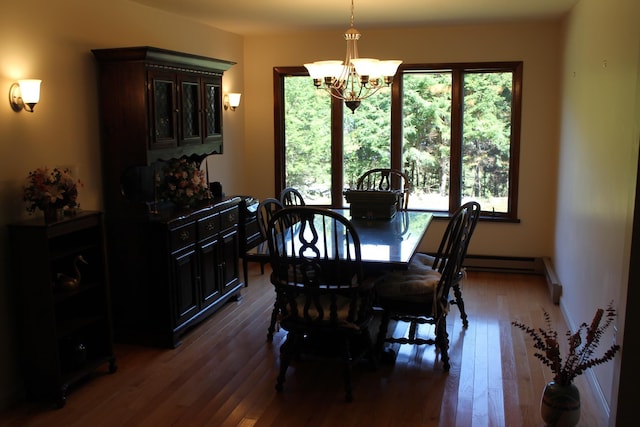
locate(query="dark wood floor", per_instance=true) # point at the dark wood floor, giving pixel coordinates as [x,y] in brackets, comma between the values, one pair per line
[224,374]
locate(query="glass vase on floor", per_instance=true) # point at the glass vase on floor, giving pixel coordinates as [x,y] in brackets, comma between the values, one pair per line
[560,405]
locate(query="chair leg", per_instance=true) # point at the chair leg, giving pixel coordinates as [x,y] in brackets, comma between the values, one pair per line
[274,319]
[370,350]
[383,356]
[245,270]
[287,349]
[442,342]
[348,359]
[460,303]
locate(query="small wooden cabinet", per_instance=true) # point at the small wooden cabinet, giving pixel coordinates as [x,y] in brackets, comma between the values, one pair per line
[64,311]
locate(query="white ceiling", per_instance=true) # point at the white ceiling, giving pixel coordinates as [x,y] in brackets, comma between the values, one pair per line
[268,16]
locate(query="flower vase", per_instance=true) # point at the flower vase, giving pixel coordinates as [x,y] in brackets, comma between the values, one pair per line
[53,214]
[560,405]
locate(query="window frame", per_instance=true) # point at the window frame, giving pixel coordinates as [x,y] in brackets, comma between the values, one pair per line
[457,95]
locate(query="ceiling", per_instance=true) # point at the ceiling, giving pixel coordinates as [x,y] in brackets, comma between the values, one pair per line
[250,17]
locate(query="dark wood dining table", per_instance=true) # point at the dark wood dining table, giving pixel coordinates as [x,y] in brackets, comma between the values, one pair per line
[385,243]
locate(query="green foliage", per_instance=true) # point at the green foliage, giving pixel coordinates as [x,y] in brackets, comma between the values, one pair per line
[427,102]
[308,135]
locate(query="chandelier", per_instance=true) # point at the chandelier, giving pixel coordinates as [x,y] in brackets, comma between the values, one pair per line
[356,78]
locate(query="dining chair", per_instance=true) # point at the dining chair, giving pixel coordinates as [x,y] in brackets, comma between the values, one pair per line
[263,213]
[421,261]
[291,197]
[266,208]
[421,296]
[322,300]
[384,179]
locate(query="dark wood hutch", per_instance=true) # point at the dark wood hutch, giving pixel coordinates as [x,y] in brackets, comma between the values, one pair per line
[169,267]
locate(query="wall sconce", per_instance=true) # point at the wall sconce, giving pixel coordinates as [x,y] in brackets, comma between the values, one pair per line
[24,95]
[231,101]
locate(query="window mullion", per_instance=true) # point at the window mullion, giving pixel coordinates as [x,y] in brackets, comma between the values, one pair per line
[455,165]
[396,124]
[337,152]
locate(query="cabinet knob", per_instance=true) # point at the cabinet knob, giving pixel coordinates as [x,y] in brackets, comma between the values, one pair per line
[210,226]
[184,235]
[232,217]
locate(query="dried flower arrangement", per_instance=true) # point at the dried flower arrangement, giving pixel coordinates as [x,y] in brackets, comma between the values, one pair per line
[581,348]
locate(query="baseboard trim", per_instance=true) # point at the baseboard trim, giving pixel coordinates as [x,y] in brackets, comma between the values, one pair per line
[555,288]
[522,265]
[503,264]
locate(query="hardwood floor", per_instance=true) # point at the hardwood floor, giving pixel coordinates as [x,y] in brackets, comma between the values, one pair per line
[224,374]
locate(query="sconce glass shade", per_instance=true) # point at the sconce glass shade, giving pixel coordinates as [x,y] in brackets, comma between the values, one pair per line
[234,100]
[30,90]
[25,94]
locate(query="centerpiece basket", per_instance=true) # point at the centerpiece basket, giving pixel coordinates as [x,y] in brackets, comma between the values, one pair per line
[374,204]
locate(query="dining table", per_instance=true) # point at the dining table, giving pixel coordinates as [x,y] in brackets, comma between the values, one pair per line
[386,244]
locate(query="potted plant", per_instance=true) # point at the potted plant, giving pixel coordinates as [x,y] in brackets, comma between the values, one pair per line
[560,404]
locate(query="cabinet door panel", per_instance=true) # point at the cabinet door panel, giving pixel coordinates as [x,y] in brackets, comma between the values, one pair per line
[209,269]
[190,112]
[163,105]
[213,112]
[230,260]
[185,286]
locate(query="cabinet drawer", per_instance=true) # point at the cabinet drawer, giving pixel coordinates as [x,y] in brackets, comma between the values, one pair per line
[183,236]
[208,226]
[229,218]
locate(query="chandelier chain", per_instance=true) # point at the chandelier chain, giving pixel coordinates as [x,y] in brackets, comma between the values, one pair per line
[352,19]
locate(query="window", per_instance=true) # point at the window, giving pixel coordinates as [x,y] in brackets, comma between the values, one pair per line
[454,129]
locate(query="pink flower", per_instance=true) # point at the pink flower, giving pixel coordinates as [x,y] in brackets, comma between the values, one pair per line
[185,183]
[55,188]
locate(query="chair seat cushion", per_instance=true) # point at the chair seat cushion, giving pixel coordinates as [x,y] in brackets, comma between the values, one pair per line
[318,311]
[411,286]
[421,262]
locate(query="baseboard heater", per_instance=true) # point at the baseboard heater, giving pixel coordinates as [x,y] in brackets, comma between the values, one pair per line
[520,265]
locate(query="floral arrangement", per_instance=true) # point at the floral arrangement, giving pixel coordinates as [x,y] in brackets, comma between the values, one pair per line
[54,188]
[184,183]
[581,348]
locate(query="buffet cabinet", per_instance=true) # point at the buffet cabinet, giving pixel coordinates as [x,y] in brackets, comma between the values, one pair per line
[61,278]
[174,270]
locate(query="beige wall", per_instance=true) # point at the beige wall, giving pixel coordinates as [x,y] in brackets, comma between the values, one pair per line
[597,133]
[51,40]
[537,44]
[600,129]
